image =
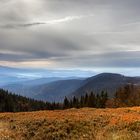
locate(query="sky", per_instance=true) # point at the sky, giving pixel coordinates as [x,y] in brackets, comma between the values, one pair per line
[95,35]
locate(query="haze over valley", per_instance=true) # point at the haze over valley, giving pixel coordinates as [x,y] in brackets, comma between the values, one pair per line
[69,69]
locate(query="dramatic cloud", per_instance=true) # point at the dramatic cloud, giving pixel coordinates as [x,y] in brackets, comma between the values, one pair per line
[70,33]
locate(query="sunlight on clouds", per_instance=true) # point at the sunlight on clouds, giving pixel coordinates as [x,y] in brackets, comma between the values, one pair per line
[29,75]
[28,64]
[66,19]
[49,22]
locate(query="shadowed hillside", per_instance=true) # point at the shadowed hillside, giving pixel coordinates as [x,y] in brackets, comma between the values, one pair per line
[55,89]
[49,91]
[106,81]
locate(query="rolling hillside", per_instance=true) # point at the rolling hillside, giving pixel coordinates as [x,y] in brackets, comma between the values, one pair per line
[106,81]
[46,88]
[25,87]
[72,124]
[55,89]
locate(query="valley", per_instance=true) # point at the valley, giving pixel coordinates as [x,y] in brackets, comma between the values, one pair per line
[56,88]
[69,70]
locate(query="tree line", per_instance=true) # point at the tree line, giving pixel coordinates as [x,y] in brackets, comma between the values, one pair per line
[126,96]
[15,103]
[89,100]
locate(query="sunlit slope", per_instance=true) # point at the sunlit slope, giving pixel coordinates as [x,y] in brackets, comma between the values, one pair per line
[73,124]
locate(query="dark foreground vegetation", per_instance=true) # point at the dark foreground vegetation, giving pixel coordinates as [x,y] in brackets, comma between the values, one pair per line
[14,103]
[125,97]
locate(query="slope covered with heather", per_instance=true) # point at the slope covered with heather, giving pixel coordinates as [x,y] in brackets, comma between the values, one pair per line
[72,124]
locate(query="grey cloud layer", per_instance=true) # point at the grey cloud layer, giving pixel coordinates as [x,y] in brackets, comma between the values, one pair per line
[82,33]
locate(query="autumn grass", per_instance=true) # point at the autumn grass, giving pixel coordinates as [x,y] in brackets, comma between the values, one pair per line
[72,124]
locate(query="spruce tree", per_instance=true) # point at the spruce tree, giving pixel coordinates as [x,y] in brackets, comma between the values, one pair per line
[66,103]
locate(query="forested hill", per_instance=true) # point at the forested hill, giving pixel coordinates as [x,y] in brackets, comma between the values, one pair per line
[15,103]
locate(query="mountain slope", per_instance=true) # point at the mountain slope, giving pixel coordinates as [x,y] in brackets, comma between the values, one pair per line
[48,89]
[24,87]
[15,103]
[72,124]
[56,91]
[106,81]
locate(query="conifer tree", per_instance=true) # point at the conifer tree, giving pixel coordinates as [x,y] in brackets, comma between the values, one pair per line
[91,100]
[66,103]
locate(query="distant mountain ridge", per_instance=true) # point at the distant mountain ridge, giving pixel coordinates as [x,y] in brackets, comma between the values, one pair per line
[109,82]
[58,89]
[11,75]
[50,89]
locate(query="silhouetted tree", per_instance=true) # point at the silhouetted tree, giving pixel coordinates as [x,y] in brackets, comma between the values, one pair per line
[66,103]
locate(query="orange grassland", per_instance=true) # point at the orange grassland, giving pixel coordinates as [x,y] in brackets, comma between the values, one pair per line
[72,124]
